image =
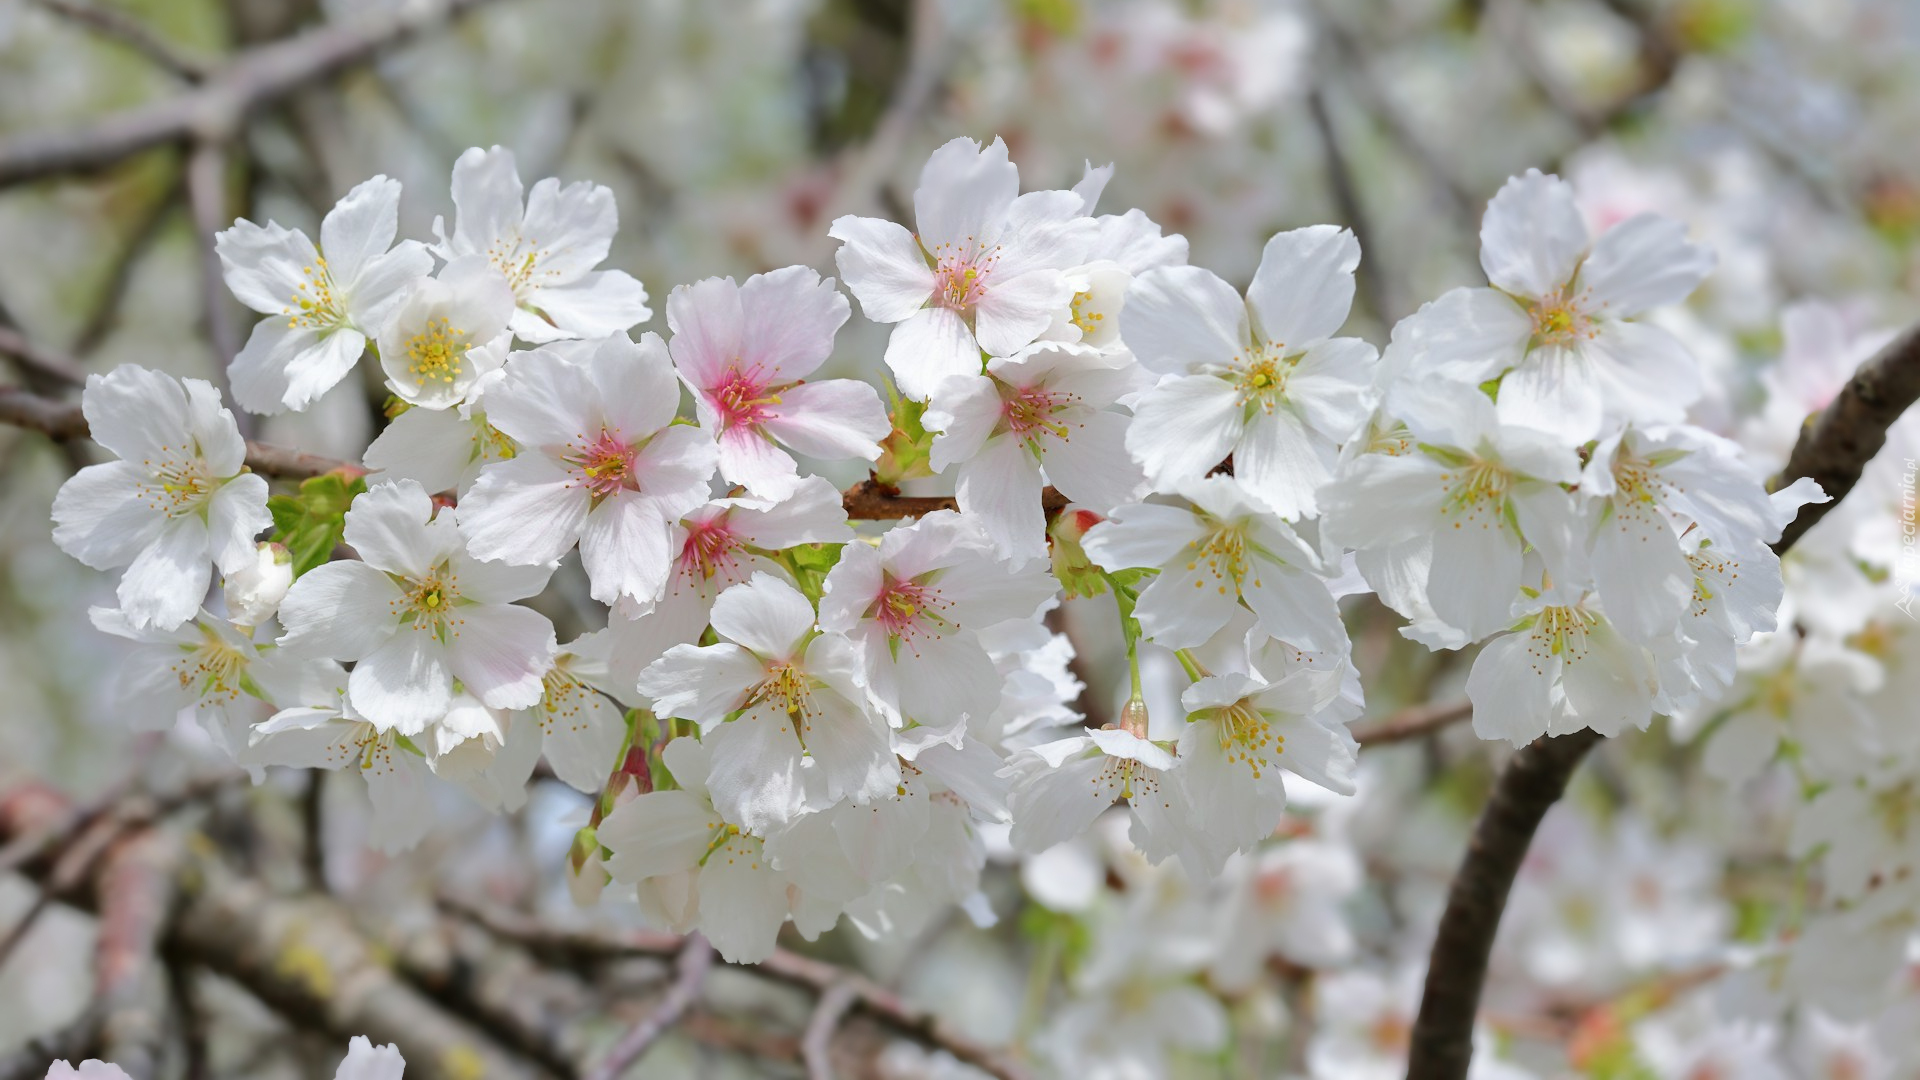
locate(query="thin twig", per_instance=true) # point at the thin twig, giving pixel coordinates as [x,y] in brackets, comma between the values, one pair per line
[690,974]
[207,198]
[816,1046]
[40,365]
[215,109]
[1412,722]
[119,26]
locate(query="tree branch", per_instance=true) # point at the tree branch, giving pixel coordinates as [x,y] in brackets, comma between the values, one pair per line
[214,110]
[874,1000]
[690,974]
[816,1046]
[1833,449]
[1412,722]
[1836,445]
[63,422]
[119,26]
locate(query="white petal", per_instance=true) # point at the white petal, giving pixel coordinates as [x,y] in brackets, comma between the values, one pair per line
[165,584]
[623,547]
[791,317]
[930,346]
[701,684]
[755,781]
[500,651]
[766,615]
[599,304]
[1184,427]
[1532,237]
[1644,262]
[342,610]
[657,833]
[360,227]
[1180,318]
[1000,485]
[1015,310]
[1509,691]
[389,525]
[884,266]
[832,420]
[1091,466]
[404,683]
[1304,288]
[1281,463]
[1554,390]
[1146,535]
[100,518]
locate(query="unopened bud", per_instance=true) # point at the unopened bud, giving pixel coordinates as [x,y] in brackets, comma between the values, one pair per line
[254,591]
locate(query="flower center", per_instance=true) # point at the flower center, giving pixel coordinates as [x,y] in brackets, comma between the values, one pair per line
[908,609]
[1224,550]
[518,259]
[605,466]
[1559,318]
[1129,778]
[428,604]
[1261,380]
[1476,492]
[178,483]
[437,352]
[1560,632]
[561,698]
[732,846]
[1084,316]
[787,688]
[961,273]
[743,398]
[313,305]
[215,668]
[709,549]
[1029,412]
[1246,736]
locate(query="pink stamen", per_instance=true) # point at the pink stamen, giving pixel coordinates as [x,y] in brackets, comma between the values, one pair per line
[961,273]
[910,609]
[742,398]
[709,549]
[605,466]
[1029,410]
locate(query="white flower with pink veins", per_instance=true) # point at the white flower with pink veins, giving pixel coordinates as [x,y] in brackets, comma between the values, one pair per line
[745,351]
[1558,320]
[602,463]
[985,273]
[1045,407]
[914,603]
[715,547]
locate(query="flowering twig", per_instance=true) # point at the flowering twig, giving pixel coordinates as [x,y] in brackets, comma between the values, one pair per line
[689,974]
[214,110]
[1834,449]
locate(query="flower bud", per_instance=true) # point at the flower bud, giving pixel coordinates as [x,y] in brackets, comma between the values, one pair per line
[254,591]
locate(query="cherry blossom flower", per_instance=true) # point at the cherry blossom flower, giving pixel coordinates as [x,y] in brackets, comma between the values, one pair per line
[1059,788]
[579,713]
[698,869]
[334,735]
[601,464]
[1044,407]
[746,350]
[366,1061]
[1262,379]
[179,497]
[323,304]
[985,272]
[1559,319]
[433,346]
[1222,551]
[417,612]
[445,449]
[211,672]
[913,604]
[715,547]
[1242,732]
[771,694]
[546,249]
[1452,515]
[1563,667]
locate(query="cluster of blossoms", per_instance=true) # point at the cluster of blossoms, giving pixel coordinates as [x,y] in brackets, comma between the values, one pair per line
[791,715]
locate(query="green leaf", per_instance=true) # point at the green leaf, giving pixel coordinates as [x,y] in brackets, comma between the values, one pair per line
[809,563]
[309,524]
[906,451]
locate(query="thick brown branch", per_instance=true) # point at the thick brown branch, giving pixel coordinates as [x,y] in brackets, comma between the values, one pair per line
[1836,445]
[1833,449]
[213,111]
[1442,1043]
[63,422]
[1412,723]
[689,975]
